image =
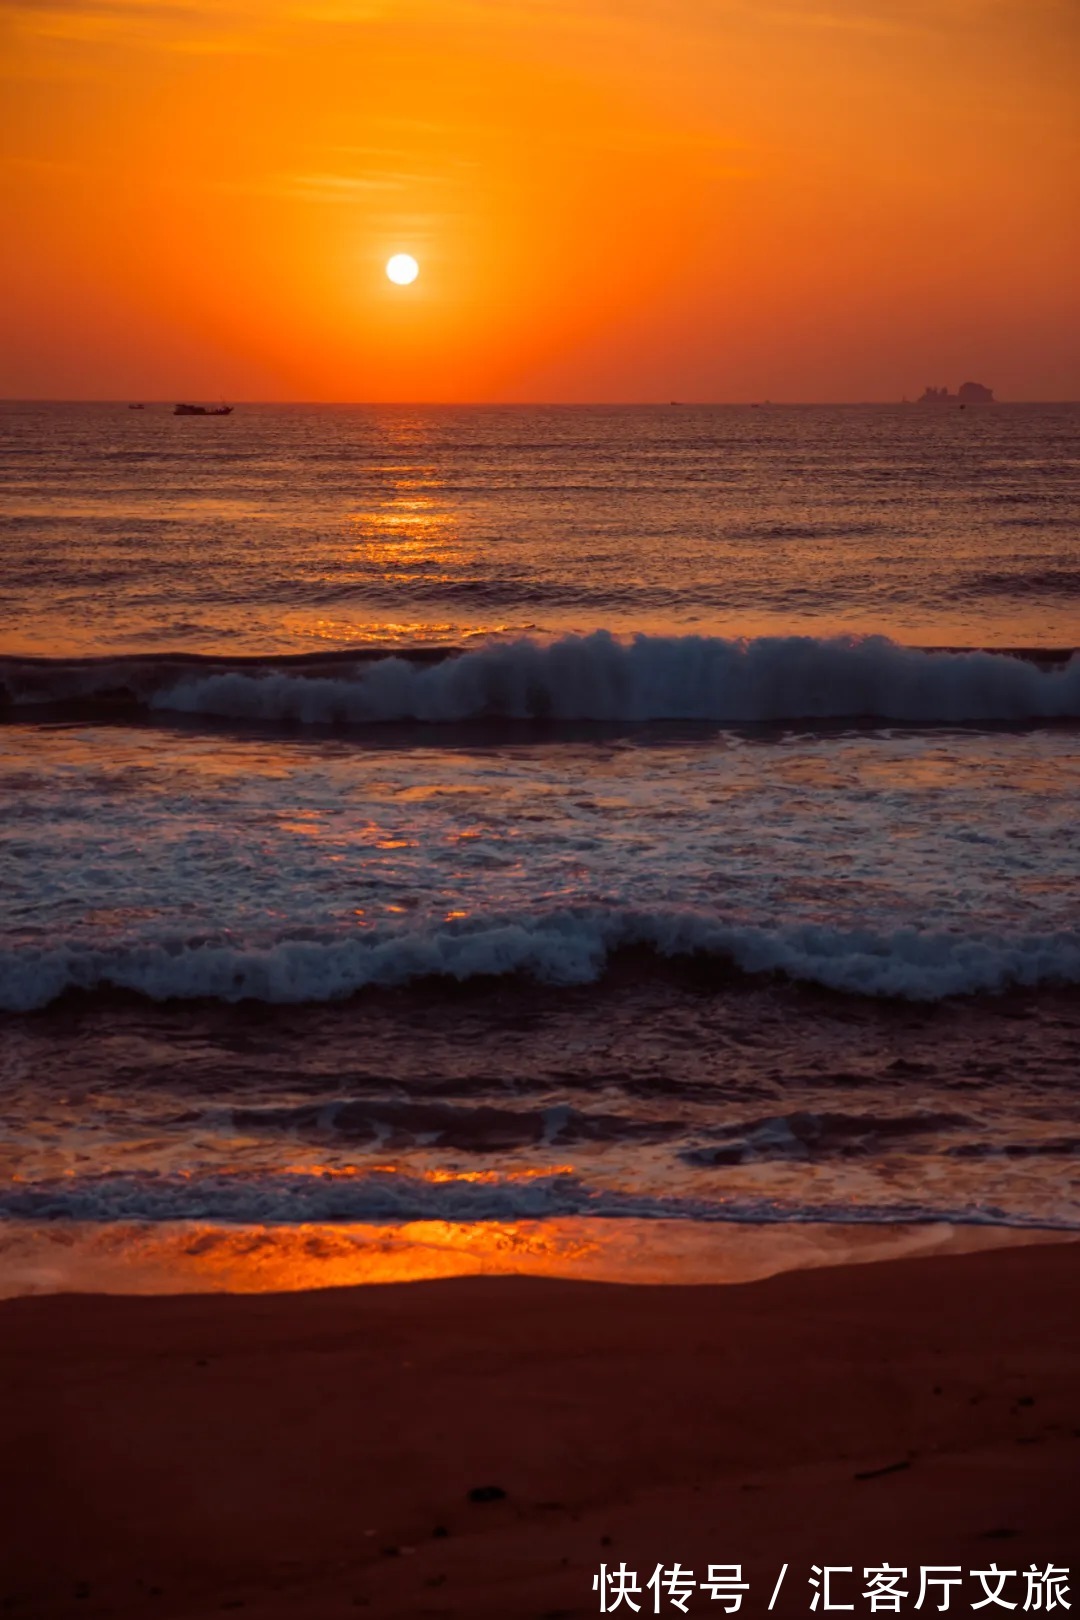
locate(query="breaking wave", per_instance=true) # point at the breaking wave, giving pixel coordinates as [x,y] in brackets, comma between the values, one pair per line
[568,947]
[594,677]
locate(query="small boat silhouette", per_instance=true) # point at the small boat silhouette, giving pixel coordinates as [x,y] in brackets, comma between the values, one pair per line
[203,410]
[136,407]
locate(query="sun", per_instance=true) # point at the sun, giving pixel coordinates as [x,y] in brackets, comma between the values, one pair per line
[402,268]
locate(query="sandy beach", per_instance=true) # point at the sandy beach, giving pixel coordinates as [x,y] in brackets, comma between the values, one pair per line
[314,1453]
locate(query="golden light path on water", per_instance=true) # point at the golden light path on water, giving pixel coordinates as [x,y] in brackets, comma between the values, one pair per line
[328,527]
[196,1257]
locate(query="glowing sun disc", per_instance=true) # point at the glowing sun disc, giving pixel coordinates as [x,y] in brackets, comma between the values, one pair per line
[402,268]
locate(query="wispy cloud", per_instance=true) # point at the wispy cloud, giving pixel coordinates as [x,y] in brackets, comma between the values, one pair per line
[874,24]
[906,17]
[40,168]
[347,187]
[182,25]
[328,187]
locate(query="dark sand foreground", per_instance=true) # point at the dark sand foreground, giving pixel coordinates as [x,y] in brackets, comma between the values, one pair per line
[313,1454]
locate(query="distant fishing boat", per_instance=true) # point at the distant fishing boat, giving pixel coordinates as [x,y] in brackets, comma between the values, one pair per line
[203,410]
[136,407]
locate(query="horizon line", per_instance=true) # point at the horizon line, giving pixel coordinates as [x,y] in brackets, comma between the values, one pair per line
[516,404]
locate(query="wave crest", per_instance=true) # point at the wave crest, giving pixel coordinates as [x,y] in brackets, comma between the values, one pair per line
[596,677]
[569,947]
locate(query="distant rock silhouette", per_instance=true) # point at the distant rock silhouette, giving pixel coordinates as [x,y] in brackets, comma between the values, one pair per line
[971,393]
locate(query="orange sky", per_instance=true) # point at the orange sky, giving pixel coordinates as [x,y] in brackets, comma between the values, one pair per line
[610,199]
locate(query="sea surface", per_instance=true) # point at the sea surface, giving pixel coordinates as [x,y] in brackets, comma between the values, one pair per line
[513,828]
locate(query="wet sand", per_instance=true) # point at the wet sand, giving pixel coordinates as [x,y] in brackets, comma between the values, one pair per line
[314,1453]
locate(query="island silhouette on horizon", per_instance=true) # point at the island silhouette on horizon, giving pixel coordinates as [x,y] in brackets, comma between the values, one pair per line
[969,393]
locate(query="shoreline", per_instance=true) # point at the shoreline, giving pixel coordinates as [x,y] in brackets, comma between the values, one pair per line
[172,1258]
[315,1452]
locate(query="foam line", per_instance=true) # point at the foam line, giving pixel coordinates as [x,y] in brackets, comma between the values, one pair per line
[572,946]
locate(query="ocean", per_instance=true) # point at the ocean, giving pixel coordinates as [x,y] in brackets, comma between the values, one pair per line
[485,833]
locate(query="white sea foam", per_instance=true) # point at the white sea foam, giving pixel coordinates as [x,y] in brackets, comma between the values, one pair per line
[379,1197]
[598,677]
[568,947]
[909,864]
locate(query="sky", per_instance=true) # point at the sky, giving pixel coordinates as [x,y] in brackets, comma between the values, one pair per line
[610,200]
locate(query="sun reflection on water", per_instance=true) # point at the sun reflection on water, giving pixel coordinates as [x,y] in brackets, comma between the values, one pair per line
[173,1258]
